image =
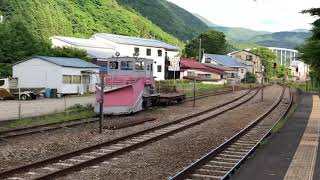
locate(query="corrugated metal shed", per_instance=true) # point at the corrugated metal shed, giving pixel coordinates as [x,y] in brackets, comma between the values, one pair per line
[136,41]
[65,62]
[224,60]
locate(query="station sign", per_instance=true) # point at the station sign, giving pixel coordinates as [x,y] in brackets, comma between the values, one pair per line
[103,71]
[174,64]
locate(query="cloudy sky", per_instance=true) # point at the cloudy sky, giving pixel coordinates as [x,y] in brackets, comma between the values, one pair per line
[267,15]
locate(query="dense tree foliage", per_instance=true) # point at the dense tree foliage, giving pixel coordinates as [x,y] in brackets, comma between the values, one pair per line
[249,78]
[213,42]
[268,58]
[169,17]
[81,18]
[17,43]
[310,51]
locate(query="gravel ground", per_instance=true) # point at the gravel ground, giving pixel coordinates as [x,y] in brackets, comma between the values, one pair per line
[164,158]
[36,147]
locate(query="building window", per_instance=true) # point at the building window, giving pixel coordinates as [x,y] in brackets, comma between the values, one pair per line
[242,71]
[249,57]
[136,50]
[126,65]
[76,79]
[160,53]
[67,79]
[148,52]
[114,65]
[159,68]
[139,66]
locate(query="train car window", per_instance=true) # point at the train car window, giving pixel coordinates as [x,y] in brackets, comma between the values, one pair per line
[126,65]
[139,66]
[114,65]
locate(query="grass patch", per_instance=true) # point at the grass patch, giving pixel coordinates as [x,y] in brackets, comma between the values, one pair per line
[73,113]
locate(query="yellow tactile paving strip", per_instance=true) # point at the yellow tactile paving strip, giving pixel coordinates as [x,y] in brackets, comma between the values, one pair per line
[303,163]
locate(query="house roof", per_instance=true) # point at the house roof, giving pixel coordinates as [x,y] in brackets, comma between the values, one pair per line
[136,41]
[223,68]
[186,63]
[225,60]
[235,52]
[84,42]
[65,62]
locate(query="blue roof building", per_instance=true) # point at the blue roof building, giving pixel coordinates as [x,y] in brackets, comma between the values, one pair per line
[223,60]
[227,61]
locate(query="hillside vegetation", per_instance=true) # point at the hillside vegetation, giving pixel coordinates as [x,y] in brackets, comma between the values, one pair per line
[169,17]
[80,18]
[288,40]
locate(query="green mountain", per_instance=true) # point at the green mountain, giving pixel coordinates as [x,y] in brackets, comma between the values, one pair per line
[169,17]
[205,20]
[246,38]
[80,18]
[288,40]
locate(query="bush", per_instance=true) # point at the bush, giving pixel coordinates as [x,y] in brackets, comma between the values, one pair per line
[249,78]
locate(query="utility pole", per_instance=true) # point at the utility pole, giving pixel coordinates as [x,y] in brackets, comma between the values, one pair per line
[200,50]
[194,91]
[103,73]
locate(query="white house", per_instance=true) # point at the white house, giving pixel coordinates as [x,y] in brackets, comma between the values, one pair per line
[226,61]
[124,46]
[300,70]
[67,75]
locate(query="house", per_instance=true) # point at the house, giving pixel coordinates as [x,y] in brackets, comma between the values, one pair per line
[67,75]
[252,60]
[229,72]
[190,68]
[125,46]
[299,70]
[226,61]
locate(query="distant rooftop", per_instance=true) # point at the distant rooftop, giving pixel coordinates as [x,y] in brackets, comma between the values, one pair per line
[215,66]
[225,60]
[84,42]
[136,41]
[65,62]
[187,63]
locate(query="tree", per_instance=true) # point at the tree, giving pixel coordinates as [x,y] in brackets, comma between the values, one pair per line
[249,78]
[17,43]
[268,58]
[310,51]
[213,42]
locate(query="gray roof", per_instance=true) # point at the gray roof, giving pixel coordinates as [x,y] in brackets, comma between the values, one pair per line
[136,41]
[215,66]
[225,60]
[84,42]
[65,62]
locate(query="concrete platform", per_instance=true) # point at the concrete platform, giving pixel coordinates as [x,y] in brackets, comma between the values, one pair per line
[292,153]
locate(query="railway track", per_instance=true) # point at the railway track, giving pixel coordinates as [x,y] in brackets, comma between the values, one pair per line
[73,161]
[223,160]
[54,126]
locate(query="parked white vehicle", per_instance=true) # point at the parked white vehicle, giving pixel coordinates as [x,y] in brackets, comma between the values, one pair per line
[9,90]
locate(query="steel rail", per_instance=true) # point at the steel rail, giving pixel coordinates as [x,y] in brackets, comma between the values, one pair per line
[125,138]
[215,152]
[11,133]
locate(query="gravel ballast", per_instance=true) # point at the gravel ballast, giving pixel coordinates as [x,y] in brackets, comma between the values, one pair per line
[24,150]
[164,158]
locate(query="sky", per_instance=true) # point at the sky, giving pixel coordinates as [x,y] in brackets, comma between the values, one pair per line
[263,15]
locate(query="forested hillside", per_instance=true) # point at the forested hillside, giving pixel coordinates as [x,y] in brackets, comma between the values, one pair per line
[80,18]
[168,16]
[281,39]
